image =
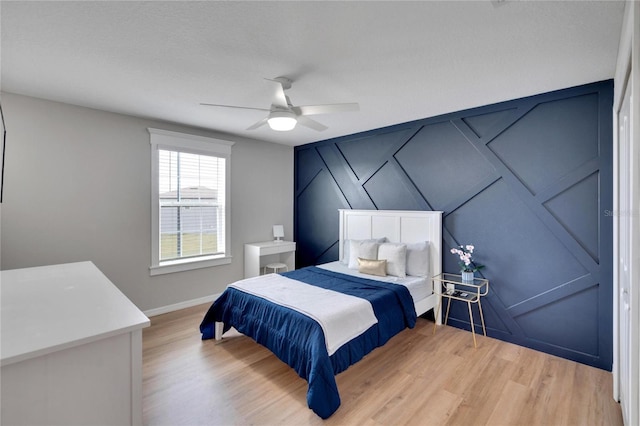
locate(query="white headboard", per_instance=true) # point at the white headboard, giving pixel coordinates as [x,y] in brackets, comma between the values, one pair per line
[398,226]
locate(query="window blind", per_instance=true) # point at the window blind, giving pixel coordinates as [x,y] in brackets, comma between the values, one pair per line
[191,196]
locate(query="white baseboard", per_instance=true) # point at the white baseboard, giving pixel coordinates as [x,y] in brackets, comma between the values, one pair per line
[181,305]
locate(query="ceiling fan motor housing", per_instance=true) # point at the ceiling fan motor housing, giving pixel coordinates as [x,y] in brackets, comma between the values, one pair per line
[282,120]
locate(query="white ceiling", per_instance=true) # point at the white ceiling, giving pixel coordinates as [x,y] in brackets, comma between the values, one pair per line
[401,61]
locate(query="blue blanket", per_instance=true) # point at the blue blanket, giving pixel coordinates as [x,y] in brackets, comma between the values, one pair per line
[298,340]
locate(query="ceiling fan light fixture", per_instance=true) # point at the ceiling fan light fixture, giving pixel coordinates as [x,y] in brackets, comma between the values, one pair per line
[283,116]
[282,121]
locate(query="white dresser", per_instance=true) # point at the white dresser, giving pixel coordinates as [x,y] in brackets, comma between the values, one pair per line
[71,348]
[257,255]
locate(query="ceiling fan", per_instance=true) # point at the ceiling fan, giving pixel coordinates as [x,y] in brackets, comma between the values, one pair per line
[284,116]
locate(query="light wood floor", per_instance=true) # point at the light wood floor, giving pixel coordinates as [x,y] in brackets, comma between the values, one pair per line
[416,379]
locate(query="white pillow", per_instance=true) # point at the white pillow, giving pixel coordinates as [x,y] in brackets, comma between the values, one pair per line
[396,256]
[366,249]
[346,252]
[418,259]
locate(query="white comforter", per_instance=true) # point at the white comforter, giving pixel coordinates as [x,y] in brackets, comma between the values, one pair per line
[341,316]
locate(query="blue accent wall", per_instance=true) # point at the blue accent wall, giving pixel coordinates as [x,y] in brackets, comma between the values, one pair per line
[526,181]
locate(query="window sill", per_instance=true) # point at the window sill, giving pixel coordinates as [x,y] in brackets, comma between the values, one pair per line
[187,265]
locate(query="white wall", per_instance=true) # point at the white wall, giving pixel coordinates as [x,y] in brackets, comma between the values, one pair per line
[0,236]
[77,187]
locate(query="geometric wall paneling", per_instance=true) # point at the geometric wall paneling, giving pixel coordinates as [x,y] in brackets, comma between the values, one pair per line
[312,166]
[511,221]
[526,181]
[344,177]
[328,255]
[317,205]
[389,190]
[542,324]
[569,140]
[483,124]
[582,225]
[360,154]
[440,153]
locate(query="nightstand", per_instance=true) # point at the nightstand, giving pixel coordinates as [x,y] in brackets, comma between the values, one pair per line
[453,287]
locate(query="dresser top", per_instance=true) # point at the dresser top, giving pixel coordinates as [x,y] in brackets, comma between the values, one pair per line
[50,308]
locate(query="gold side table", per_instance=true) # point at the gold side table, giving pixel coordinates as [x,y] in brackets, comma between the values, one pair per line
[453,287]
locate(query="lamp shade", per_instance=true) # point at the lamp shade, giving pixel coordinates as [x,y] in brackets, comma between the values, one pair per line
[282,121]
[278,232]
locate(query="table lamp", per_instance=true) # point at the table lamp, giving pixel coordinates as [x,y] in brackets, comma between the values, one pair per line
[278,233]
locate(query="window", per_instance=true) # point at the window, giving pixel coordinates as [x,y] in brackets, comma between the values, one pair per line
[190,209]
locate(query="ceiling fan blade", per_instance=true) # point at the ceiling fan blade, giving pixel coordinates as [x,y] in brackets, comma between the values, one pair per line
[312,124]
[325,109]
[237,107]
[258,124]
[279,86]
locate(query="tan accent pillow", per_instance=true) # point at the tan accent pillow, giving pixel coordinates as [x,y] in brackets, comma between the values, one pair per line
[372,267]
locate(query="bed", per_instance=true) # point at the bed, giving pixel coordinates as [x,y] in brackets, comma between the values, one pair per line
[322,319]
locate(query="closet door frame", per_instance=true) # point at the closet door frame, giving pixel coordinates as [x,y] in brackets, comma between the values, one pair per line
[626,219]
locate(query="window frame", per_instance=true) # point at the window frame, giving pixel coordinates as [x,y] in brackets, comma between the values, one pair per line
[182,142]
